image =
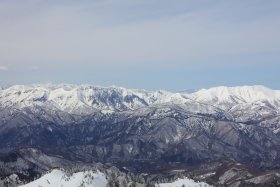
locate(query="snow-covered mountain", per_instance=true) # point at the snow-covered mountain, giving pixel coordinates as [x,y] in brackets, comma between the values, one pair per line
[238,94]
[221,96]
[84,99]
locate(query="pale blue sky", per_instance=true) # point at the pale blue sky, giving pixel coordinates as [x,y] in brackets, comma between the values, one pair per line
[150,44]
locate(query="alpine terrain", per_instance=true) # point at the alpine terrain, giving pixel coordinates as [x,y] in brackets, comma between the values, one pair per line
[83,135]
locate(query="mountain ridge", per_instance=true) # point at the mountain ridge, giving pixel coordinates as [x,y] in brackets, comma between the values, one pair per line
[67,97]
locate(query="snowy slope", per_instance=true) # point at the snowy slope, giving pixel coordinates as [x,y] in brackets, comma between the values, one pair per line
[183,182]
[59,178]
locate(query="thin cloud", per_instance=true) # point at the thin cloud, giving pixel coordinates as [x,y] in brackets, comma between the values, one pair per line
[73,35]
[81,38]
[33,67]
[3,68]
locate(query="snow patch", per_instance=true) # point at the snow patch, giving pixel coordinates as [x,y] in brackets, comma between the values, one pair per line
[59,178]
[184,182]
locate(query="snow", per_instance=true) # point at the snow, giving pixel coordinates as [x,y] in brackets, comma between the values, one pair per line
[207,175]
[59,178]
[186,182]
[276,131]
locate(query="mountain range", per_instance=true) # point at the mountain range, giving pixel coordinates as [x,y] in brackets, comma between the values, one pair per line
[225,136]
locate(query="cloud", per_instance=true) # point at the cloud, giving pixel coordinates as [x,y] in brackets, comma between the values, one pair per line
[3,68]
[135,34]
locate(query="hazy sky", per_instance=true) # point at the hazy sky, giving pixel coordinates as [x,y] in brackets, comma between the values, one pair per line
[151,44]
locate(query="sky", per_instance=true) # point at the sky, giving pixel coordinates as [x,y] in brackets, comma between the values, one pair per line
[149,44]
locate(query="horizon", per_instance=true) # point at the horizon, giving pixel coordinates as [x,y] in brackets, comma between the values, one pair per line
[141,44]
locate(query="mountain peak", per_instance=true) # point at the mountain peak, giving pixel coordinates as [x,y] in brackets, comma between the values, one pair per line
[239,93]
